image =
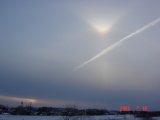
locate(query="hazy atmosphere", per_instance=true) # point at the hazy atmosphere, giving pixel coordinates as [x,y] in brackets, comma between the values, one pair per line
[60,52]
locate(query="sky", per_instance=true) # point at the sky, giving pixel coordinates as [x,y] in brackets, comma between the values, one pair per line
[43,41]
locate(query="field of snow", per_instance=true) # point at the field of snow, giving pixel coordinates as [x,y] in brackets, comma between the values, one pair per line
[106,117]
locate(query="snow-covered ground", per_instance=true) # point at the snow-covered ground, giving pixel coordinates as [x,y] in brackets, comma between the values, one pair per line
[106,117]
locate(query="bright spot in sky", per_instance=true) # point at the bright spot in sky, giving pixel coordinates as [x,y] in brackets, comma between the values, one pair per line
[17,99]
[101,26]
[101,23]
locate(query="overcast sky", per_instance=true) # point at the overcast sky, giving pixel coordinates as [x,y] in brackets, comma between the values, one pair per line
[42,41]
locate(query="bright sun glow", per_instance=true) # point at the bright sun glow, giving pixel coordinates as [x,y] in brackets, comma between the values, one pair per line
[101,26]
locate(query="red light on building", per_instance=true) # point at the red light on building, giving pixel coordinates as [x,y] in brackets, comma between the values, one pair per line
[125,109]
[145,108]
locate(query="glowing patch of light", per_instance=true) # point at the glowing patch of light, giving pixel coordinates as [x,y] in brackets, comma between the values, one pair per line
[101,27]
[17,99]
